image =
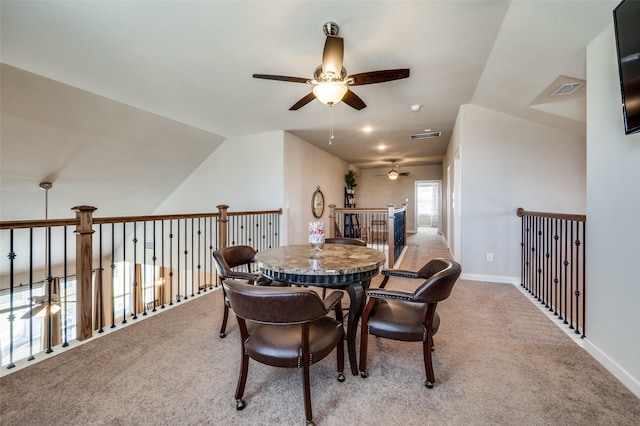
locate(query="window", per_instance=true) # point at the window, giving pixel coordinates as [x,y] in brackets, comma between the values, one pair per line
[27,332]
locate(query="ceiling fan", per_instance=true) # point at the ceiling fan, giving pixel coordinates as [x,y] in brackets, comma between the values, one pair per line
[331,80]
[393,173]
[41,306]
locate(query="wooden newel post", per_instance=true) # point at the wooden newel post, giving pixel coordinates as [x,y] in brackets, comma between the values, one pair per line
[223,220]
[84,266]
[332,220]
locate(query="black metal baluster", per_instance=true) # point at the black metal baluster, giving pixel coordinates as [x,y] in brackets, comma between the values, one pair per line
[522,251]
[547,254]
[144,268]
[213,245]
[49,301]
[124,281]
[164,287]
[571,279]
[12,257]
[113,276]
[66,341]
[100,301]
[577,268]
[12,316]
[532,255]
[135,272]
[566,274]
[186,261]
[560,270]
[171,262]
[584,280]
[534,250]
[556,256]
[154,258]
[200,256]
[527,252]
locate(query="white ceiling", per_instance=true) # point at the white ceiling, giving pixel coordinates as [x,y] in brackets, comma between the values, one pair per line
[192,61]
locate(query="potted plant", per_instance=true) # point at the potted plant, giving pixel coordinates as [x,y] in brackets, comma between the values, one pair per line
[350,180]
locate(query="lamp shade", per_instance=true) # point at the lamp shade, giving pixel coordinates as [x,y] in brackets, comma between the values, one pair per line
[330,92]
[393,175]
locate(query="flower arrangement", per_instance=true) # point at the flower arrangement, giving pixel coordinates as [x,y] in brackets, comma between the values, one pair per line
[316,232]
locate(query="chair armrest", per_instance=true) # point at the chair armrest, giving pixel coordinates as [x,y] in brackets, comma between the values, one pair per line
[390,294]
[399,273]
[237,275]
[333,299]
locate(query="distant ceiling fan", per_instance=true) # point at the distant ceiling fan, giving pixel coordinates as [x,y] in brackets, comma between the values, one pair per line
[330,79]
[393,173]
[42,306]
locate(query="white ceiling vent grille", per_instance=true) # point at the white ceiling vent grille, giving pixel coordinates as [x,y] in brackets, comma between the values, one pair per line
[426,135]
[567,89]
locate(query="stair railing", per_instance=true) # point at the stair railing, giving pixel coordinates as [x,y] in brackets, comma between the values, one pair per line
[114,257]
[553,264]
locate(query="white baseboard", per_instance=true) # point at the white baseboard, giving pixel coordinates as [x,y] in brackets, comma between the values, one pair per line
[614,368]
[491,278]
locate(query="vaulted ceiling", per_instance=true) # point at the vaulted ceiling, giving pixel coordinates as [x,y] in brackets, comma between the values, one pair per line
[192,62]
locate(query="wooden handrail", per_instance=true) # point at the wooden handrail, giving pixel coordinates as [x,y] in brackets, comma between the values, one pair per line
[564,216]
[41,223]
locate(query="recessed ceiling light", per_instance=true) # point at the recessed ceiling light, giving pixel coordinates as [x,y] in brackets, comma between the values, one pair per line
[381,147]
[416,107]
[367,129]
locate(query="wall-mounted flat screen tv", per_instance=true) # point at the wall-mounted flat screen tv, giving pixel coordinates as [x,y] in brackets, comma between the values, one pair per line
[626,20]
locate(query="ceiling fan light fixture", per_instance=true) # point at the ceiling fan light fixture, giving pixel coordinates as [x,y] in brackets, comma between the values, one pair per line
[393,175]
[330,92]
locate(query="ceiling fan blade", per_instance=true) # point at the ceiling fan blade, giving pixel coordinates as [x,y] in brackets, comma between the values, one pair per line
[353,100]
[372,77]
[302,102]
[404,174]
[33,312]
[332,55]
[281,78]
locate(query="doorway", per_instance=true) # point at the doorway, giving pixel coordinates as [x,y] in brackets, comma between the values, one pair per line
[428,201]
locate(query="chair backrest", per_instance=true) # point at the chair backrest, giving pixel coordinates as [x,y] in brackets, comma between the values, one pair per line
[346,241]
[443,274]
[274,305]
[230,257]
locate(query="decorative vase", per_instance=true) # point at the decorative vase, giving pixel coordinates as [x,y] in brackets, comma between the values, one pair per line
[316,235]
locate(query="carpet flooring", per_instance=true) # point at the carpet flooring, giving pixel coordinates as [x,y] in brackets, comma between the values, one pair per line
[498,361]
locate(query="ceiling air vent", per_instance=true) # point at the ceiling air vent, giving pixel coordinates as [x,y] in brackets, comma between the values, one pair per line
[567,89]
[426,135]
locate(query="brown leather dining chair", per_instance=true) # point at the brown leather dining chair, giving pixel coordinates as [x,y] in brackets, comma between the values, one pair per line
[227,261]
[286,327]
[409,317]
[348,241]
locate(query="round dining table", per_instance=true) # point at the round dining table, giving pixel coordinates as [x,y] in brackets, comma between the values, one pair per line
[337,266]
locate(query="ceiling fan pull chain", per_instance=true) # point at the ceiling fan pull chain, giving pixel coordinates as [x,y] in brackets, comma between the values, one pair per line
[331,137]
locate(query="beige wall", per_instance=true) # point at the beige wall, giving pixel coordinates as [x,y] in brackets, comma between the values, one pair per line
[376,190]
[613,209]
[305,168]
[506,163]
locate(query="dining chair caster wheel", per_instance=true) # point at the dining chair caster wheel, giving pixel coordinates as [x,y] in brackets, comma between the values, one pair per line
[428,384]
[340,377]
[364,374]
[240,404]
